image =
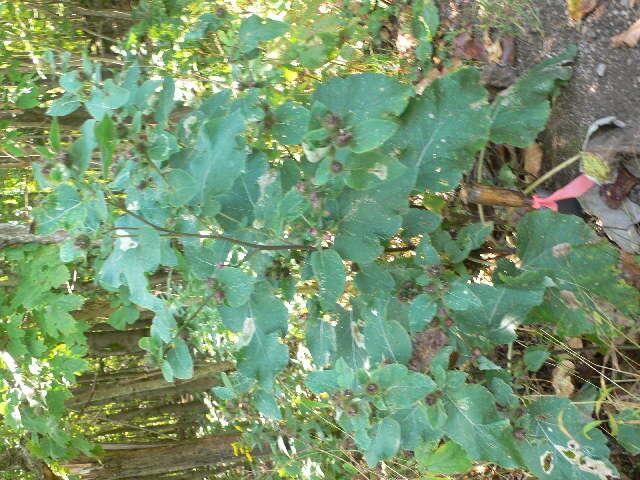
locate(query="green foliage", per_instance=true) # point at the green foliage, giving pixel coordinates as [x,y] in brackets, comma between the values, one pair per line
[278,205]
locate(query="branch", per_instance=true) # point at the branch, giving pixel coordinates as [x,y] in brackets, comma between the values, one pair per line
[101,13]
[259,246]
[18,234]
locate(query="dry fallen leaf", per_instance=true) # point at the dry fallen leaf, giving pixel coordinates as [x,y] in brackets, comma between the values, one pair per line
[579,8]
[493,48]
[561,378]
[532,161]
[469,47]
[630,37]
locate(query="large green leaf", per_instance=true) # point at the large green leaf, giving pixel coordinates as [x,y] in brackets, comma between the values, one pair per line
[320,337]
[521,111]
[364,96]
[474,423]
[236,285]
[263,358]
[329,272]
[500,312]
[368,216]
[566,249]
[400,387]
[292,121]
[217,150]
[556,447]
[448,458]
[385,441]
[180,360]
[255,30]
[386,339]
[443,129]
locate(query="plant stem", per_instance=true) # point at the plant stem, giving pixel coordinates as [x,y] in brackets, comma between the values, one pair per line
[551,173]
[479,172]
[258,246]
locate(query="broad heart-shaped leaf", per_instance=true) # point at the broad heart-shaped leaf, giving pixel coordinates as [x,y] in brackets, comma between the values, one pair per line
[263,358]
[82,148]
[180,360]
[401,387]
[364,96]
[350,340]
[501,310]
[564,247]
[329,272]
[461,297]
[292,122]
[418,222]
[385,441]
[386,339]
[415,427]
[320,338]
[267,406]
[521,111]
[448,458]
[255,30]
[628,430]
[63,208]
[474,423]
[218,157]
[556,448]
[443,129]
[66,104]
[236,285]
[534,357]
[370,134]
[129,261]
[421,312]
[368,170]
[366,217]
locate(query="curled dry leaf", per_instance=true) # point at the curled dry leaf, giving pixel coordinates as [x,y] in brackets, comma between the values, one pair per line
[630,37]
[576,9]
[469,47]
[532,161]
[493,48]
[561,378]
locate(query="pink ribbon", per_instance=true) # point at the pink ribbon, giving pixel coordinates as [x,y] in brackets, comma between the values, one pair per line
[574,188]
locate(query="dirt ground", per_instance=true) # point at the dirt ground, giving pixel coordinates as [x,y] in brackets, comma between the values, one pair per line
[606,80]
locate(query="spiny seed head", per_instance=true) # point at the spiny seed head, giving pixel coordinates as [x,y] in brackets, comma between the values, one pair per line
[312,231]
[336,167]
[218,295]
[407,284]
[343,138]
[428,289]
[372,388]
[348,393]
[352,411]
[332,121]
[301,187]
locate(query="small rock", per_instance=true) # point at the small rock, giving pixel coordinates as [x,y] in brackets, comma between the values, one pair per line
[600,69]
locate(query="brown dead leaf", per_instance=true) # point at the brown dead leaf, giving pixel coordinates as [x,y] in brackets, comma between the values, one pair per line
[630,37]
[469,47]
[493,48]
[561,378]
[532,161]
[508,44]
[426,346]
[615,193]
[576,9]
[630,269]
